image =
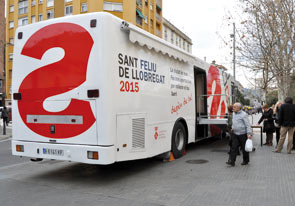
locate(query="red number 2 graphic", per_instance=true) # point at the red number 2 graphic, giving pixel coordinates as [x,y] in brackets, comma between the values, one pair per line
[57,78]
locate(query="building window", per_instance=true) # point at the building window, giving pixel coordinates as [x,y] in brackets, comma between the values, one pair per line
[139,3]
[10,56]
[165,34]
[172,37]
[176,40]
[66,1]
[188,47]
[23,7]
[110,6]
[145,19]
[84,7]
[50,14]
[11,8]
[151,23]
[50,3]
[40,17]
[22,21]
[146,2]
[11,24]
[33,2]
[40,1]
[33,19]
[68,10]
[151,6]
[183,44]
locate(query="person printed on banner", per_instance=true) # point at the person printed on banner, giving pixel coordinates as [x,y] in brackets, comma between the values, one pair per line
[287,122]
[276,118]
[241,131]
[268,124]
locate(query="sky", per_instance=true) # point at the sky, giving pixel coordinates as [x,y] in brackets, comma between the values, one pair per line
[206,23]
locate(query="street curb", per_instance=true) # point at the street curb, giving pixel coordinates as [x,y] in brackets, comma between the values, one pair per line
[3,138]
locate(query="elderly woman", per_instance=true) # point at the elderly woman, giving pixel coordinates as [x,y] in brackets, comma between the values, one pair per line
[268,124]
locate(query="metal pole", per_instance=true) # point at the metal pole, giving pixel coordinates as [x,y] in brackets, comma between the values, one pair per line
[234,51]
[4,127]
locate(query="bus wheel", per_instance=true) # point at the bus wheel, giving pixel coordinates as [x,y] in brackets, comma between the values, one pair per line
[179,140]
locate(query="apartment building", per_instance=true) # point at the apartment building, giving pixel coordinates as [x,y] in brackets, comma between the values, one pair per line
[146,14]
[2,49]
[176,37]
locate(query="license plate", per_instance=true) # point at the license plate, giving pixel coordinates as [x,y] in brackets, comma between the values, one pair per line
[55,152]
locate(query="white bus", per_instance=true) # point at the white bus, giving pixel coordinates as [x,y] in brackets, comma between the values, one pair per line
[93,88]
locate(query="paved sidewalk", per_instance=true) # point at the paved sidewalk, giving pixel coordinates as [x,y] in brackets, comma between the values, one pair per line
[8,131]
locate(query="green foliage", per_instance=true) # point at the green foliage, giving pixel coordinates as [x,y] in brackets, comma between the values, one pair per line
[272,98]
[240,98]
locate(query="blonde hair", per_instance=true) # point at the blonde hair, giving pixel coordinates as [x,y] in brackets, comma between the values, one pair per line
[276,107]
[265,106]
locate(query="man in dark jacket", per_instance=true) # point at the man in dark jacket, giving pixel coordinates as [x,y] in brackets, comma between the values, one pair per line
[287,122]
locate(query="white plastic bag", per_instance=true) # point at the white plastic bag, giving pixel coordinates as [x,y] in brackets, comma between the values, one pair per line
[249,145]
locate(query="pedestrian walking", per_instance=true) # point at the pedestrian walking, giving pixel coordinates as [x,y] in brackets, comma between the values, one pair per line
[276,118]
[268,124]
[4,115]
[287,122]
[229,125]
[241,131]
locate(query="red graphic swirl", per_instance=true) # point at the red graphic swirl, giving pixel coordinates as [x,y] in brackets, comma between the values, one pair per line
[57,78]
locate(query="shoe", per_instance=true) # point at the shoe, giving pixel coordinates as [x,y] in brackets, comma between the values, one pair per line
[293,148]
[270,144]
[230,163]
[289,152]
[276,151]
[244,163]
[265,143]
[253,150]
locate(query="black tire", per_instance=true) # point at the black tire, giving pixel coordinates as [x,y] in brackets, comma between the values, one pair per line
[179,140]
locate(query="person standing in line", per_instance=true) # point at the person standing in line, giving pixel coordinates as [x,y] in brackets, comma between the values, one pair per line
[268,124]
[287,122]
[241,131]
[276,117]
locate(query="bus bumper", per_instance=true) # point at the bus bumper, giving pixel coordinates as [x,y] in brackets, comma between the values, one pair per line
[75,153]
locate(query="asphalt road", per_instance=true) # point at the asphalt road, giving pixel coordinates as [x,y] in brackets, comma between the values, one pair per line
[6,158]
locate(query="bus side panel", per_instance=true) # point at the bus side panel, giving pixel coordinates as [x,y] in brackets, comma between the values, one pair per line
[147,93]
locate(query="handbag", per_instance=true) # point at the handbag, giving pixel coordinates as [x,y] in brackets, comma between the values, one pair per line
[249,145]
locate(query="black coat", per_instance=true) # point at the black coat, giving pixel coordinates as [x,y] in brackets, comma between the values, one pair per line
[287,115]
[268,124]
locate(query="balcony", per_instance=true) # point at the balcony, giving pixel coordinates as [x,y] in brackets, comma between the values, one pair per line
[159,5]
[158,17]
[139,3]
[158,33]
